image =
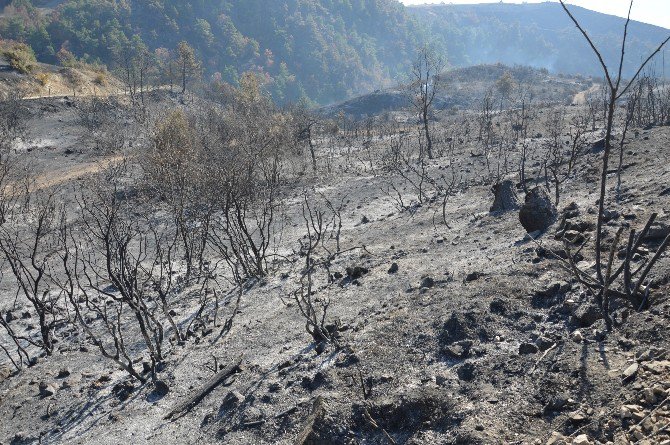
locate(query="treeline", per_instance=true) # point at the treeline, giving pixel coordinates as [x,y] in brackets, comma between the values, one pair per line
[322,50]
[316,49]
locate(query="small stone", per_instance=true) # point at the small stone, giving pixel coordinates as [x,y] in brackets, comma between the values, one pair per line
[577,337]
[427,283]
[63,373]
[47,389]
[232,399]
[573,236]
[638,434]
[631,371]
[586,314]
[582,439]
[644,356]
[472,276]
[393,269]
[556,439]
[441,379]
[5,373]
[543,343]
[649,396]
[648,425]
[577,416]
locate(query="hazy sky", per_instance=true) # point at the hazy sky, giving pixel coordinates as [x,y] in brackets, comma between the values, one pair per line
[656,12]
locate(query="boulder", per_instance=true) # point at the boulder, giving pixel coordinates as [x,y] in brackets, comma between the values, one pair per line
[658,232]
[47,389]
[527,348]
[538,211]
[506,198]
[586,314]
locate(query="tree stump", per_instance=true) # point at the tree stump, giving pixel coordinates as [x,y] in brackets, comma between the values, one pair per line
[506,198]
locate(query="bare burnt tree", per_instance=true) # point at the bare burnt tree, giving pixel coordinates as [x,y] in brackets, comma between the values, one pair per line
[400,162]
[12,121]
[522,115]
[632,101]
[596,102]
[556,164]
[426,84]
[306,123]
[103,119]
[29,245]
[112,275]
[604,282]
[12,193]
[578,136]
[313,248]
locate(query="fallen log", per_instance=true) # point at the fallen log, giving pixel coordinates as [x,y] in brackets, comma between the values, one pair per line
[208,387]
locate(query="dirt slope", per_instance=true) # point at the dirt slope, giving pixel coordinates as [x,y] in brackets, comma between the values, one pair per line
[484,352]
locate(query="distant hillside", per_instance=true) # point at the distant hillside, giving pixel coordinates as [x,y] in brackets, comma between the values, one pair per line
[539,35]
[465,88]
[324,50]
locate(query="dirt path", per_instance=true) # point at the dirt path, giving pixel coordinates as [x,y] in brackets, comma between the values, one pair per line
[580,98]
[58,177]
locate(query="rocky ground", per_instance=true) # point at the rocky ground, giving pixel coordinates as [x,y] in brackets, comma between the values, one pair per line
[469,333]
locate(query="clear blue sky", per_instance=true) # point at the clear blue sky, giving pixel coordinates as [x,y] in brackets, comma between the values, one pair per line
[656,12]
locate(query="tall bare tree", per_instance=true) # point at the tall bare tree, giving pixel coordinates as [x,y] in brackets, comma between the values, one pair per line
[602,286]
[426,85]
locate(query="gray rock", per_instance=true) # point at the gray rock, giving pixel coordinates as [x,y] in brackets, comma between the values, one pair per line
[47,389]
[538,212]
[527,348]
[631,371]
[586,314]
[472,276]
[427,283]
[5,373]
[658,232]
[459,349]
[232,399]
[23,438]
[543,343]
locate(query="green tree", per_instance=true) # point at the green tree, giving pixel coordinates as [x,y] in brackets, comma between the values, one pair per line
[188,63]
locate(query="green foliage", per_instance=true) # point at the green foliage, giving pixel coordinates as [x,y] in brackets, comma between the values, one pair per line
[324,50]
[321,49]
